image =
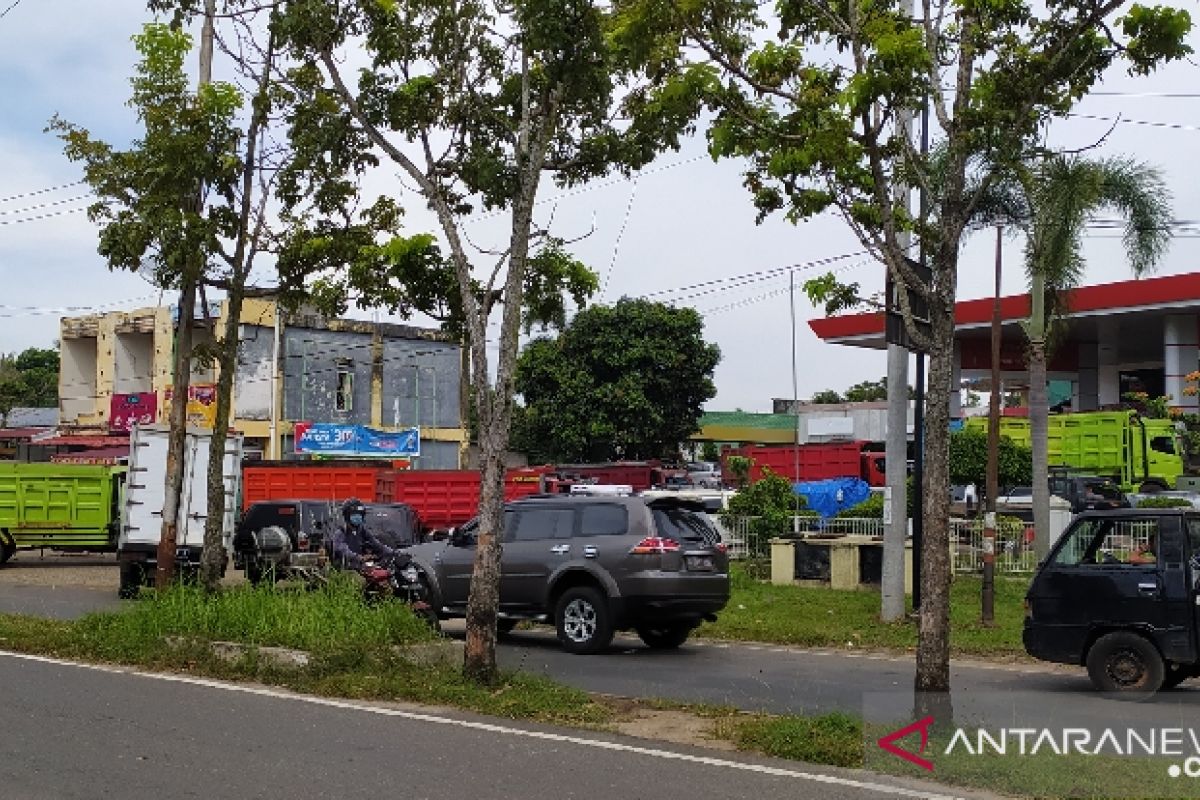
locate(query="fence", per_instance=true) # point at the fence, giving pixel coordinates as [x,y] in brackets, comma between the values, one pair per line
[1014,541]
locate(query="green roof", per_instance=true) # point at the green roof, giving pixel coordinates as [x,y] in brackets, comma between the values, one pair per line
[743,419]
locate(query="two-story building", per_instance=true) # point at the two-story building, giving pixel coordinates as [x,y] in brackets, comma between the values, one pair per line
[117,369]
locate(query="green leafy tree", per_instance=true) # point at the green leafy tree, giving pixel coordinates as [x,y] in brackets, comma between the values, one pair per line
[710,452]
[968,460]
[826,397]
[771,503]
[473,104]
[821,133]
[622,381]
[867,391]
[164,205]
[28,379]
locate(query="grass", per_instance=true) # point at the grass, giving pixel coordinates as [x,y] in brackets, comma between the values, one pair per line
[818,617]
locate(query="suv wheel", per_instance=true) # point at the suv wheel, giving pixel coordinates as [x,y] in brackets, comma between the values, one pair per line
[1125,662]
[664,637]
[506,625]
[582,619]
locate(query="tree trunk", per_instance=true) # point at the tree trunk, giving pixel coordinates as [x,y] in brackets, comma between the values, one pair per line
[213,559]
[479,657]
[1039,413]
[177,441]
[933,642]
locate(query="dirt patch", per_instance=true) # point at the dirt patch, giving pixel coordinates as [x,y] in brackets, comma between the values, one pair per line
[669,725]
[32,568]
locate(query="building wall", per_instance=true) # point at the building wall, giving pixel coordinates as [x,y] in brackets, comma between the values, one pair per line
[77,378]
[252,396]
[312,361]
[420,384]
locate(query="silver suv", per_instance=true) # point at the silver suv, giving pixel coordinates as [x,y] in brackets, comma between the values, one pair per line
[592,566]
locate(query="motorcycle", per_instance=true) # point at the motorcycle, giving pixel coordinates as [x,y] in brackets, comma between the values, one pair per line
[399,578]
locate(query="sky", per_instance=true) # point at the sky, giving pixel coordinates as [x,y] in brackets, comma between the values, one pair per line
[683,222]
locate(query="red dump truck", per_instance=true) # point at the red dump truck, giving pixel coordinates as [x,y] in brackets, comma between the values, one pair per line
[816,462]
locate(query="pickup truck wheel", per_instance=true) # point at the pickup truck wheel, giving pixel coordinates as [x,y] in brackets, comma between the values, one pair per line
[582,619]
[1125,662]
[664,637]
[504,626]
[130,581]
[1177,674]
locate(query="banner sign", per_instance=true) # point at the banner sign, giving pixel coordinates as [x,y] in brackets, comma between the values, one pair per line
[330,439]
[201,405]
[135,408]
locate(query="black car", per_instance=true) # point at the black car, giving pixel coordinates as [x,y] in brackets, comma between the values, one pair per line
[592,566]
[275,536]
[1120,594]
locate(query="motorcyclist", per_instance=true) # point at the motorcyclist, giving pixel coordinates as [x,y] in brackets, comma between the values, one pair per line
[353,542]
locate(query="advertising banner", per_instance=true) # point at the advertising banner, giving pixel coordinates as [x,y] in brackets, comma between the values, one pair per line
[201,406]
[331,439]
[135,408]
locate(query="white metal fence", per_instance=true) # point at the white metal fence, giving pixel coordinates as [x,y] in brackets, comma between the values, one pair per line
[1014,541]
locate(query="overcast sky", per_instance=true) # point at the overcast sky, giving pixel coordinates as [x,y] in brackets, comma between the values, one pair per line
[684,222]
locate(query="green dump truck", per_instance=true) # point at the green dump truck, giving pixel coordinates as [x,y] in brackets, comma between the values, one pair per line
[1140,454]
[69,507]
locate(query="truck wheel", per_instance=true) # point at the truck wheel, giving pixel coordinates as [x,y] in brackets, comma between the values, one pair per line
[664,637]
[1125,662]
[582,619]
[131,580]
[7,551]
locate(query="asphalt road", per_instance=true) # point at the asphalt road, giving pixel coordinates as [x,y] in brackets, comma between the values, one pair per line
[772,679]
[84,732]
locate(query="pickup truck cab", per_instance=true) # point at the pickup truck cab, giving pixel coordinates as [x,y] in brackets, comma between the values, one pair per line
[1120,595]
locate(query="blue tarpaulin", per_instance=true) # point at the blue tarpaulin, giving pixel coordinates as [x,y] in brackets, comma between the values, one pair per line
[828,497]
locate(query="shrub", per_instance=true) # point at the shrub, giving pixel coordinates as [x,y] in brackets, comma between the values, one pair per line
[1164,502]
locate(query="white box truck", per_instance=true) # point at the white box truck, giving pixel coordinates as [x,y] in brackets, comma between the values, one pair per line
[142,514]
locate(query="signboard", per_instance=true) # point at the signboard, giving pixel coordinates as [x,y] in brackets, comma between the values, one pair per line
[330,439]
[895,331]
[135,408]
[201,406]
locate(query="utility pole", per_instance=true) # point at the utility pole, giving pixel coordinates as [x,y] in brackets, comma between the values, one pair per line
[182,374]
[795,408]
[993,461]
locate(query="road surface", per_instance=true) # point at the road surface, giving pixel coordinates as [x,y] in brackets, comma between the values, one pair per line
[86,732]
[772,679]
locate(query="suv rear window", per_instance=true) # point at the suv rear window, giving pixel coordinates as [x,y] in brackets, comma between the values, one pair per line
[685,525]
[286,516]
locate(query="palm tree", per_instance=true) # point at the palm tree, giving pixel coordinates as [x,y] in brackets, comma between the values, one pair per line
[1062,192]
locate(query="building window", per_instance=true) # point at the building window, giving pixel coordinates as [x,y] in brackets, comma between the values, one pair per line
[344,398]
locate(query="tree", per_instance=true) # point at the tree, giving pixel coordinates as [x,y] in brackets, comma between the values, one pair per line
[819,114]
[826,397]
[152,202]
[473,103]
[1063,192]
[867,391]
[968,459]
[29,379]
[623,381]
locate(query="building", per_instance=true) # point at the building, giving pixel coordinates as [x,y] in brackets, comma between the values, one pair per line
[299,368]
[863,421]
[1136,335]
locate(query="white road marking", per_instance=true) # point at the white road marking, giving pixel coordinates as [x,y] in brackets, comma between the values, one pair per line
[488,727]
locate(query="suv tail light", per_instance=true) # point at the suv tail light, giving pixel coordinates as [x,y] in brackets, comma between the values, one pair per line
[652,545]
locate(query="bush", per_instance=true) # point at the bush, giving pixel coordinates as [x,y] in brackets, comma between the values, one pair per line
[871,508]
[1164,502]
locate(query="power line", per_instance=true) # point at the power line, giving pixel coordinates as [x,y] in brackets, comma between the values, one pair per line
[50,204]
[14,4]
[47,215]
[1126,121]
[47,190]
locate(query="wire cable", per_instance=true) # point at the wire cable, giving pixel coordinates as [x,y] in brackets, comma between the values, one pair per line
[47,190]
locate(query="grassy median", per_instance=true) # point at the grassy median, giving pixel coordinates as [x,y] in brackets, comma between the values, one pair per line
[849,620]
